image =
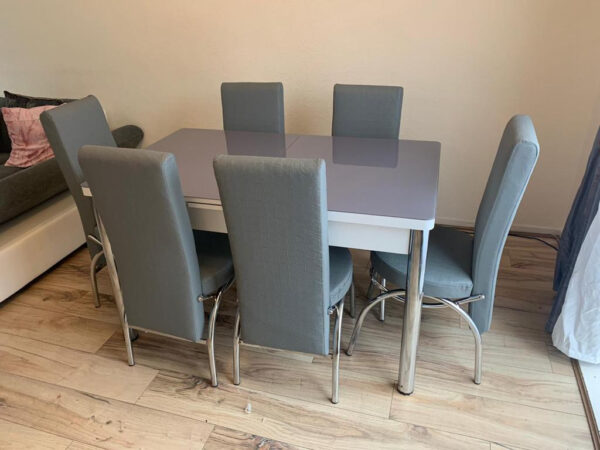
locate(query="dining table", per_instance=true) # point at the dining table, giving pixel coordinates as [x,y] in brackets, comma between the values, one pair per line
[381,196]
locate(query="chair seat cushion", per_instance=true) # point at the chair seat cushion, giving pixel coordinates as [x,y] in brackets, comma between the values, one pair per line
[340,273]
[448,268]
[214,259]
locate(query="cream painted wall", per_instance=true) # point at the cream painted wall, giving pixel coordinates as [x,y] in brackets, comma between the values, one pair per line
[466,66]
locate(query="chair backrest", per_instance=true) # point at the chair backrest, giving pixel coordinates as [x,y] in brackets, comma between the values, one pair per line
[367,111]
[138,196]
[69,127]
[276,215]
[253,107]
[512,168]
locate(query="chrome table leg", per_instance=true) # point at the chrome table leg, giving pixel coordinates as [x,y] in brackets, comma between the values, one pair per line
[412,312]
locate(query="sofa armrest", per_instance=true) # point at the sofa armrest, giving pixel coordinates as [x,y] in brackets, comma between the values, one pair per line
[128,136]
[29,187]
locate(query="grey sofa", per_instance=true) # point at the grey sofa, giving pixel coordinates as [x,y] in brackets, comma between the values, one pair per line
[22,189]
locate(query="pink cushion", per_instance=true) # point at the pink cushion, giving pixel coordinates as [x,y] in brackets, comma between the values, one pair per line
[29,143]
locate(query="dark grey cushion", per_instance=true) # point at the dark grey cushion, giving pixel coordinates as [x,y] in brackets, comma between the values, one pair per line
[448,268]
[128,136]
[367,111]
[23,189]
[253,107]
[6,170]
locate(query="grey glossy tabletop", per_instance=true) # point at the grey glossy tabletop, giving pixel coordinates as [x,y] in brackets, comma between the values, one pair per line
[380,177]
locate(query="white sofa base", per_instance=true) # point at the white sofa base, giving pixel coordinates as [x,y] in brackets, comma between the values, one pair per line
[36,240]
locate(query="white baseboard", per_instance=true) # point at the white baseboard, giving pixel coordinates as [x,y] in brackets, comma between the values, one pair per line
[535,229]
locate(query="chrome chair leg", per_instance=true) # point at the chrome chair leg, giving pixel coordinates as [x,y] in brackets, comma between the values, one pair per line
[236,348]
[363,315]
[114,279]
[372,274]
[337,339]
[476,336]
[93,277]
[128,345]
[210,341]
[352,299]
[382,304]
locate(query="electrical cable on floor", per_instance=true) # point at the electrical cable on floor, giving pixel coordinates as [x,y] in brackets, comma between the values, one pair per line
[535,238]
[524,236]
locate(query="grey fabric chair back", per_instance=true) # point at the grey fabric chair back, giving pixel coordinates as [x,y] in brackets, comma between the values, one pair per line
[68,127]
[512,168]
[138,196]
[367,111]
[253,107]
[276,215]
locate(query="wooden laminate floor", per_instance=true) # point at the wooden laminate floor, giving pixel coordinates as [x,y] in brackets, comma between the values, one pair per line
[65,383]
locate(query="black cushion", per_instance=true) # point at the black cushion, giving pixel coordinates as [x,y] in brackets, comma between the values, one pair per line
[26,101]
[23,189]
[5,144]
[128,136]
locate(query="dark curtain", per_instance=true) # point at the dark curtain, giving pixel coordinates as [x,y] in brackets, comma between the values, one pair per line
[580,218]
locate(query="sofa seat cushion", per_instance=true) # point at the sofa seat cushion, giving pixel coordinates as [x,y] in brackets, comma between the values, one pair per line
[23,189]
[5,171]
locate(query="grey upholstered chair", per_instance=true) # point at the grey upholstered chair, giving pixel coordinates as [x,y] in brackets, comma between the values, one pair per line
[68,127]
[253,107]
[165,271]
[462,268]
[367,112]
[288,278]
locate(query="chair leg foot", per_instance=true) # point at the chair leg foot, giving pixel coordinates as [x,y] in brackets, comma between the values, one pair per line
[93,277]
